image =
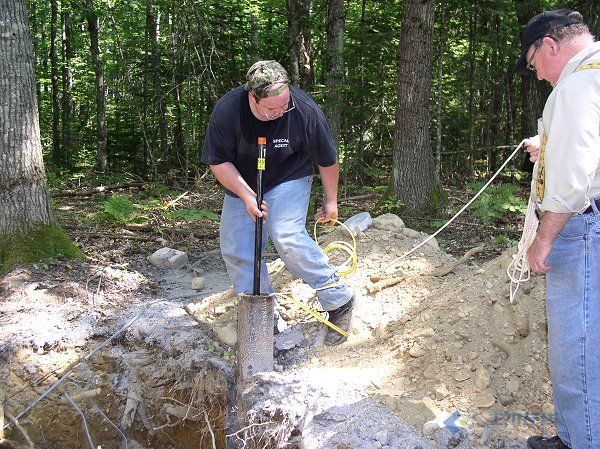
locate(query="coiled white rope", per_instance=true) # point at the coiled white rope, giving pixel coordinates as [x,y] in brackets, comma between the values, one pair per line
[518,271]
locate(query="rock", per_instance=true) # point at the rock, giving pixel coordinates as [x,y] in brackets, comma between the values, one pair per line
[431,372]
[485,399]
[506,399]
[513,384]
[528,369]
[359,222]
[482,378]
[548,408]
[288,339]
[412,233]
[430,427]
[441,391]
[416,352]
[433,243]
[400,236]
[388,222]
[462,376]
[198,283]
[227,335]
[168,258]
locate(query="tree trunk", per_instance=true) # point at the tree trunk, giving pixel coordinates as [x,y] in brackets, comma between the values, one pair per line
[440,94]
[56,149]
[471,94]
[36,54]
[301,62]
[361,99]
[334,66]
[533,94]
[67,85]
[413,178]
[24,201]
[93,29]
[158,91]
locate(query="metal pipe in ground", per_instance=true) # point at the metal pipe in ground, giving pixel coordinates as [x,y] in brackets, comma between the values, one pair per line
[255,317]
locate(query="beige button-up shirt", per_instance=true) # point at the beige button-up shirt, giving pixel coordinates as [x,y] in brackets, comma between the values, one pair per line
[569,162]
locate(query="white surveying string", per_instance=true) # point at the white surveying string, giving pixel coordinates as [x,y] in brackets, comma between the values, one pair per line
[398,259]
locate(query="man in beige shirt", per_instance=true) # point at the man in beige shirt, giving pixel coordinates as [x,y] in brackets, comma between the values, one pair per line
[558,47]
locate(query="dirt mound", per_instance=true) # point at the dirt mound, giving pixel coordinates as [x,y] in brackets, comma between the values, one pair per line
[445,353]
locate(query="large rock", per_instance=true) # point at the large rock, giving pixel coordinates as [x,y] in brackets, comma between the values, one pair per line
[168,258]
[388,222]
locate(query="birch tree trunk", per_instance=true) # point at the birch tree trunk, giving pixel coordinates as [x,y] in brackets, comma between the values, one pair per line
[24,201]
[413,168]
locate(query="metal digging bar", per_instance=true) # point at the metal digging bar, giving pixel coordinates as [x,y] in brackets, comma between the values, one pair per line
[255,312]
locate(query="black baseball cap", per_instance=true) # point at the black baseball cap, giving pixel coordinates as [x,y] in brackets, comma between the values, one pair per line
[540,26]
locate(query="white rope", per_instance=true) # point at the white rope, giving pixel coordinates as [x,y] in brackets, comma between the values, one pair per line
[518,271]
[398,259]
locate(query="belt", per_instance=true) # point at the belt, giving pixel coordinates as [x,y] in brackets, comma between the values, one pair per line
[540,213]
[590,209]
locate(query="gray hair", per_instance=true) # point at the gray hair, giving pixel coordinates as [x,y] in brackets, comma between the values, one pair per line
[565,33]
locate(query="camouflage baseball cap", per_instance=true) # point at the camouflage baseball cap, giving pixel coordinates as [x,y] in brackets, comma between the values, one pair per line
[263,75]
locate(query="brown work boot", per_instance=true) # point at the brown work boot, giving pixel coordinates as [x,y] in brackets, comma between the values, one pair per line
[342,318]
[539,442]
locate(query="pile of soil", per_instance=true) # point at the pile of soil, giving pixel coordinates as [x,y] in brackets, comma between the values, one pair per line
[437,360]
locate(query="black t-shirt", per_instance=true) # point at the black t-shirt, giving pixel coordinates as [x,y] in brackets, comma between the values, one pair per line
[294,141]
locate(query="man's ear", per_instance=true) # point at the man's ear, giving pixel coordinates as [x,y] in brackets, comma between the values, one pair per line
[552,44]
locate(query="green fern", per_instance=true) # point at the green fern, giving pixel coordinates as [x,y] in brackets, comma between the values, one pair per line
[119,208]
[192,215]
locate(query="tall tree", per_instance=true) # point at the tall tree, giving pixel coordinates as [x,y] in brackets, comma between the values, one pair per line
[334,66]
[533,93]
[56,147]
[301,62]
[413,169]
[152,27]
[25,210]
[67,85]
[93,28]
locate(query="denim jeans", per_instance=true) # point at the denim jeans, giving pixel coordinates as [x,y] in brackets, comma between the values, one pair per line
[573,310]
[285,226]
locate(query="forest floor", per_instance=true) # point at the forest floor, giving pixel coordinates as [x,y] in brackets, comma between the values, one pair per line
[437,360]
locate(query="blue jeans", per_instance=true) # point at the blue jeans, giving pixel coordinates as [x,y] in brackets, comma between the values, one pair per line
[573,309]
[286,227]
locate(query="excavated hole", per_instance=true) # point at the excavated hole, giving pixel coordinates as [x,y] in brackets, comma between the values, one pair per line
[179,407]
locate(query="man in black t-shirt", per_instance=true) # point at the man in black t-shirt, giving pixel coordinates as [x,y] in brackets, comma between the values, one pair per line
[297,136]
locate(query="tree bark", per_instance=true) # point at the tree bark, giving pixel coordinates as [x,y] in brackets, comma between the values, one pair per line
[24,200]
[301,62]
[67,85]
[56,148]
[334,66]
[93,28]
[413,177]
[440,94]
[533,94]
[151,23]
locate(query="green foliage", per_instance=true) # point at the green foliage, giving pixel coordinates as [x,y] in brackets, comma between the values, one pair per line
[41,243]
[192,215]
[119,208]
[495,201]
